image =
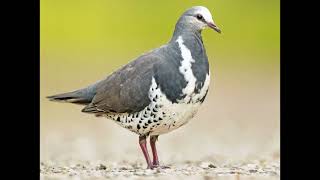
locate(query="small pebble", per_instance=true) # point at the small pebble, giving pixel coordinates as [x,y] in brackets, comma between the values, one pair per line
[101,167]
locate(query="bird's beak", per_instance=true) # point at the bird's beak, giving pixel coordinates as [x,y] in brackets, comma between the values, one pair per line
[214,27]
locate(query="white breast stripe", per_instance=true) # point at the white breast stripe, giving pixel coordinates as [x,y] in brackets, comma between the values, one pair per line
[186,70]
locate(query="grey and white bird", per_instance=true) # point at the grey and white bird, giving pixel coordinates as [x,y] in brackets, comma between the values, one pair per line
[157,92]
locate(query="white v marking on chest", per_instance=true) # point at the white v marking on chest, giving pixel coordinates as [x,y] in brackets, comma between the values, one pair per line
[185,69]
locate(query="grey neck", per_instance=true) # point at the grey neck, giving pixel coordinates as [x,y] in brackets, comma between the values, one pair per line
[185,30]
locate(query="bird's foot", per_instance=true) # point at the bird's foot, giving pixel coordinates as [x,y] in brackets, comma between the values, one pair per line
[157,166]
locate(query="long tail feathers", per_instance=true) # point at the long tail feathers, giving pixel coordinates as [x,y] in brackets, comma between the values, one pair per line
[70,97]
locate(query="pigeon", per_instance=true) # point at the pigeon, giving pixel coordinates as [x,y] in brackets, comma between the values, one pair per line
[157,92]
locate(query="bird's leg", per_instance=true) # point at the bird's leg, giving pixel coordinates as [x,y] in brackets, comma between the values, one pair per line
[155,163]
[153,140]
[143,145]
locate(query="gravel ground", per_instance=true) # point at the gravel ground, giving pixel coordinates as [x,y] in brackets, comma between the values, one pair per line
[185,170]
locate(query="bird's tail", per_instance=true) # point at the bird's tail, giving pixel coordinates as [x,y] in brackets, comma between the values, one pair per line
[77,97]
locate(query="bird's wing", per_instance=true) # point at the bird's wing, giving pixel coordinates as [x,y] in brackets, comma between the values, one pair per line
[125,90]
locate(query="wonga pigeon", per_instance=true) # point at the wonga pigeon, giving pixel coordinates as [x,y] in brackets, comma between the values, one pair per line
[159,91]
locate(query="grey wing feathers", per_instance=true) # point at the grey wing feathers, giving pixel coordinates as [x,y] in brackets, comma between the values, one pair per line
[125,90]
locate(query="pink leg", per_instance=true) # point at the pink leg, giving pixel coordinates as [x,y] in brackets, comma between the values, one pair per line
[143,145]
[155,163]
[153,140]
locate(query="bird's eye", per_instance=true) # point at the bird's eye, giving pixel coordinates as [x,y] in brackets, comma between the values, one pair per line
[199,17]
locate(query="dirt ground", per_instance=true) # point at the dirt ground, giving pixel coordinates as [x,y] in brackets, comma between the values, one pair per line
[206,170]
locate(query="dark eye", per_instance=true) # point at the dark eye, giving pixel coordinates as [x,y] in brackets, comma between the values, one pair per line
[199,16]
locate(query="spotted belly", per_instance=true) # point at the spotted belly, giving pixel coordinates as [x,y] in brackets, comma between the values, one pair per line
[161,115]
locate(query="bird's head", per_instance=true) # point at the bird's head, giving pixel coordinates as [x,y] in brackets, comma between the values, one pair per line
[198,18]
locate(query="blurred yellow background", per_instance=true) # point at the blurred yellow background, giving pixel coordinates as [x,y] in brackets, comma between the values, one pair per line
[83,41]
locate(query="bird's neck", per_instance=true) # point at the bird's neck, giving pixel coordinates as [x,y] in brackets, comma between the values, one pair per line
[186,31]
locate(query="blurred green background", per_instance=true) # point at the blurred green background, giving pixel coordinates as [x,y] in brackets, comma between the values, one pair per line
[83,41]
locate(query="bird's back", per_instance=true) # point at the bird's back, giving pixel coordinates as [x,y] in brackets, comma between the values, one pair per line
[126,89]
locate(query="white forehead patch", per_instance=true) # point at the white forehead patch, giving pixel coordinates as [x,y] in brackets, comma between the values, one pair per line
[205,13]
